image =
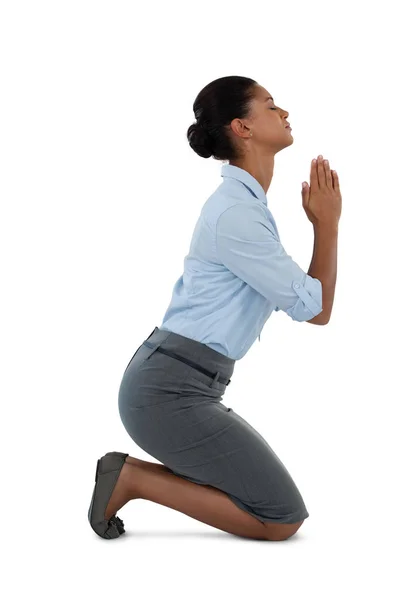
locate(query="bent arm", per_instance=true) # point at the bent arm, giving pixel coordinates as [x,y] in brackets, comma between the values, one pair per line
[248,246]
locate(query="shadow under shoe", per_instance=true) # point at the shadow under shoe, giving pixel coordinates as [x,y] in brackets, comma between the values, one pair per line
[108,469]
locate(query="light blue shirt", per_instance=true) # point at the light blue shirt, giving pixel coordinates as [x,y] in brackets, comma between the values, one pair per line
[237,272]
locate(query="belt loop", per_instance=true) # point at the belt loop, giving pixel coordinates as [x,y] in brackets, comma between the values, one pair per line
[215,378]
[153,347]
[150,345]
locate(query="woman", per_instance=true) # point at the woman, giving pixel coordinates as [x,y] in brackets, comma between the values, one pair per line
[216,467]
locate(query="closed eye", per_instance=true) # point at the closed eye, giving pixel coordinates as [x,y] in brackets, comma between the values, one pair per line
[273,108]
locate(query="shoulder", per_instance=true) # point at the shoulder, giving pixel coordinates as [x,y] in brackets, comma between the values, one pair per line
[246,216]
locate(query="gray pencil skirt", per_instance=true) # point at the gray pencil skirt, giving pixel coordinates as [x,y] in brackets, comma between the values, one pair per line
[170,403]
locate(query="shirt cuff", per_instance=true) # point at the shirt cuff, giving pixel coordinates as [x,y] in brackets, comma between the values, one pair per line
[309,303]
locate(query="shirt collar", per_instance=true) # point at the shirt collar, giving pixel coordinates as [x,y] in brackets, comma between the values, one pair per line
[244,176]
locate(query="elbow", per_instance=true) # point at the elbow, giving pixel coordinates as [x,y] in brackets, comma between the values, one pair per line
[325,318]
[320,319]
[324,322]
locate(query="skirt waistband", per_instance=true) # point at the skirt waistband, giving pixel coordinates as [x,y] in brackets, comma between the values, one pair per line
[193,353]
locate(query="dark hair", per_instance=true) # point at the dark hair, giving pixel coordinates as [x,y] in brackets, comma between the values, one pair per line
[215,107]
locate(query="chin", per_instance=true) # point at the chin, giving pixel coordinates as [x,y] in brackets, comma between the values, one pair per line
[290,141]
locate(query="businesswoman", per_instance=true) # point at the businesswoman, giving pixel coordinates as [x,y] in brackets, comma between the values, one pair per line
[215,467]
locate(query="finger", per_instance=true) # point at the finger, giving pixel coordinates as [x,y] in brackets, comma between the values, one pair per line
[328,175]
[321,172]
[313,176]
[335,180]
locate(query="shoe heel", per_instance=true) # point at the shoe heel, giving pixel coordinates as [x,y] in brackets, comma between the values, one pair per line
[107,472]
[111,462]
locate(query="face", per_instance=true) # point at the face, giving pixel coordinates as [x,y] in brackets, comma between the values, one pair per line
[267,124]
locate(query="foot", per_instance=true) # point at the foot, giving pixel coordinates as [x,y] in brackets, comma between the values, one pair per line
[124,490]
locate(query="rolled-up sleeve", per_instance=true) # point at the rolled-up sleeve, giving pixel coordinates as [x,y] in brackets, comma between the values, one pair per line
[248,246]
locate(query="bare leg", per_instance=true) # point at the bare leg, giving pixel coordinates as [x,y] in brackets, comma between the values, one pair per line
[157,483]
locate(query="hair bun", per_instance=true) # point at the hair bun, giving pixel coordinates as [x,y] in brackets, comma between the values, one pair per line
[200,140]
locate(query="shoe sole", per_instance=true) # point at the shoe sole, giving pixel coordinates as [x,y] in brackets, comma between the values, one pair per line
[108,469]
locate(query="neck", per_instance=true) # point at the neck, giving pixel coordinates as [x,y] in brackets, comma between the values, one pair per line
[261,168]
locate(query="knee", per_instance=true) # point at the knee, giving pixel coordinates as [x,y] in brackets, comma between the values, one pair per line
[276,532]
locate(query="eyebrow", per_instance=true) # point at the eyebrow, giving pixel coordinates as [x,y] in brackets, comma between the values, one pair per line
[269,98]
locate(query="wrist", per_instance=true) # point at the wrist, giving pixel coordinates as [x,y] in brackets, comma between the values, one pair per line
[326,227]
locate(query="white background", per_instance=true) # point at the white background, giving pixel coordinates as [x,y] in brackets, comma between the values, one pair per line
[100,192]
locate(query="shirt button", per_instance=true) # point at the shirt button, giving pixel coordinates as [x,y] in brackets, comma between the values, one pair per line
[296,285]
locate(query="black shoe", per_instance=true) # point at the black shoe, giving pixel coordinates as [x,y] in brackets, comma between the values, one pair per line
[107,472]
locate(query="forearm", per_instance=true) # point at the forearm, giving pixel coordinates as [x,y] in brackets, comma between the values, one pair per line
[323,266]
